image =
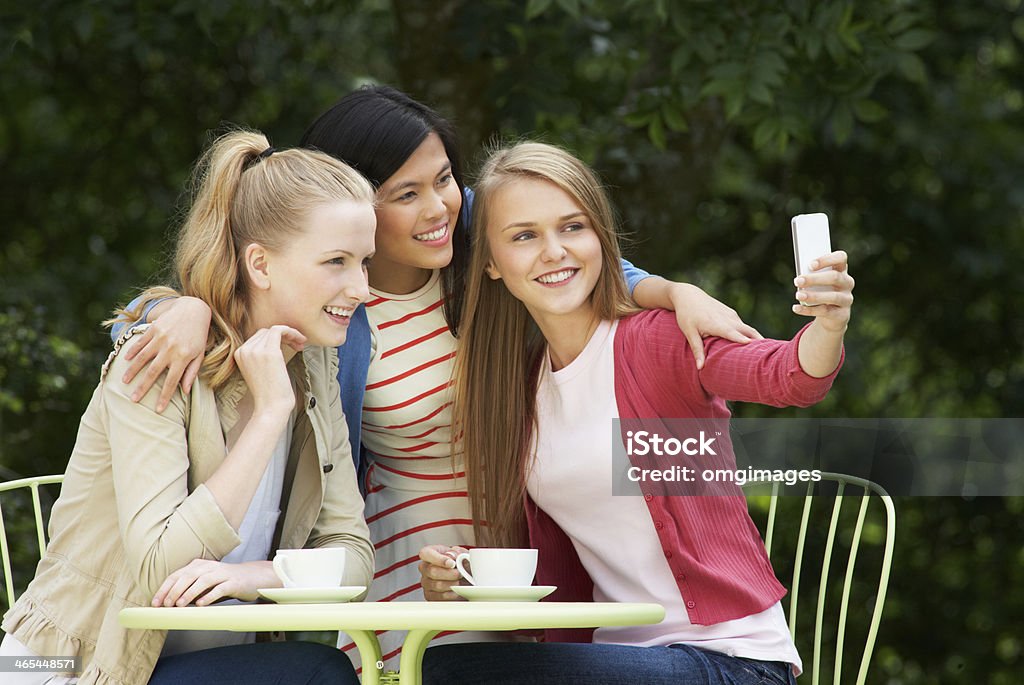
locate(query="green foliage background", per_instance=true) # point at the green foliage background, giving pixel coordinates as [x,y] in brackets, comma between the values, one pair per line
[712,123]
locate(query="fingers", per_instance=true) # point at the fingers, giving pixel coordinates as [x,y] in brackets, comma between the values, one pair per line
[696,342]
[174,372]
[838,298]
[438,555]
[191,373]
[201,581]
[837,260]
[438,573]
[139,352]
[156,367]
[834,279]
[290,336]
[750,332]
[437,582]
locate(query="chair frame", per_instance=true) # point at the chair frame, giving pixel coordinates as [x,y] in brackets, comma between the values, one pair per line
[867,489]
[5,557]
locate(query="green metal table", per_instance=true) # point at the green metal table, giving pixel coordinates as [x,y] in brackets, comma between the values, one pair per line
[423,620]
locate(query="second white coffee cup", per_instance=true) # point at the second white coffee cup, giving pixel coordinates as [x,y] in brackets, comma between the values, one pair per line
[495,567]
[317,567]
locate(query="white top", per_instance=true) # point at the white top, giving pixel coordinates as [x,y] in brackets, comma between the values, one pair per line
[571,480]
[257,534]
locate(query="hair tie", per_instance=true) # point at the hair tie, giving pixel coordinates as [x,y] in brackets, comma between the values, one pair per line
[259,158]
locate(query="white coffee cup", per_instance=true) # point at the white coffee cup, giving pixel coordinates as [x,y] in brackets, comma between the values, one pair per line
[495,567]
[317,567]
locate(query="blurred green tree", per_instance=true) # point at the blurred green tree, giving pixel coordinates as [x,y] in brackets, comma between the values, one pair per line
[712,123]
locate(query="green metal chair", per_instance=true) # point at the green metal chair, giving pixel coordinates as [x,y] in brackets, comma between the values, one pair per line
[860,494]
[16,504]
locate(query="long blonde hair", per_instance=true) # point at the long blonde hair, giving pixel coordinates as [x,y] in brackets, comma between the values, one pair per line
[500,346]
[243,192]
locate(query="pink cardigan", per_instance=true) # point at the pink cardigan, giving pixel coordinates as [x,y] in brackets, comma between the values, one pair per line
[720,577]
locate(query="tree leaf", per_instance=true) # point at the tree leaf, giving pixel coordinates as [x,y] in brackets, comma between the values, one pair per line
[912,67]
[656,132]
[915,39]
[869,111]
[535,8]
[680,58]
[674,119]
[901,22]
[765,131]
[637,119]
[571,7]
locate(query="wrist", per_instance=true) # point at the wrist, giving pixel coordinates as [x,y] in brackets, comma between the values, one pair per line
[679,294]
[837,329]
[273,412]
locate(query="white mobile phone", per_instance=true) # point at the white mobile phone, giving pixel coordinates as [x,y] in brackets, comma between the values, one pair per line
[810,241]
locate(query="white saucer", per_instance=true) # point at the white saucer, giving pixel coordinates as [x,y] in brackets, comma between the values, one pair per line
[311,595]
[500,593]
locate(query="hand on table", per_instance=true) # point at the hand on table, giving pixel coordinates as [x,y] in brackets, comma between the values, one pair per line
[438,573]
[204,581]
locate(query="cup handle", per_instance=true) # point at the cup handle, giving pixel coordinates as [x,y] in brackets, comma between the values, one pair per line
[462,571]
[279,569]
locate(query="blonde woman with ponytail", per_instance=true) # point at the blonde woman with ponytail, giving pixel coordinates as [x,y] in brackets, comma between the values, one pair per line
[187,506]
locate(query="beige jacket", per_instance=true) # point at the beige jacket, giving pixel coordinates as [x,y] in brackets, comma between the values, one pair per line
[133,508]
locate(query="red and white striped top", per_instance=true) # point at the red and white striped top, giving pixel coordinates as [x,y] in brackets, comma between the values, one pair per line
[407,408]
[415,495]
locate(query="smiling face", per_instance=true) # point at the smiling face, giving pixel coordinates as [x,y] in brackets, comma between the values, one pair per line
[314,282]
[416,214]
[545,249]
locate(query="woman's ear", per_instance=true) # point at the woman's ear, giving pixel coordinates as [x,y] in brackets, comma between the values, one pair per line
[257,266]
[492,271]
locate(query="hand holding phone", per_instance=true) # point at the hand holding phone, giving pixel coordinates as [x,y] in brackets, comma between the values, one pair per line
[810,241]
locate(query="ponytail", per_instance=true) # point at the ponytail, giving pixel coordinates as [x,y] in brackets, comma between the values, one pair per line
[242,191]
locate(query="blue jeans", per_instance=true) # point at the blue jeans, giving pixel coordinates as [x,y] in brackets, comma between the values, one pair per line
[562,663]
[300,663]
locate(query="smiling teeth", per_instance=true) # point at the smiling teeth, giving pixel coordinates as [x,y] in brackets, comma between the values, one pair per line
[433,235]
[557,277]
[338,311]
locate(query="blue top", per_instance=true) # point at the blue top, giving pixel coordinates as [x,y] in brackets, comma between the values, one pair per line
[354,354]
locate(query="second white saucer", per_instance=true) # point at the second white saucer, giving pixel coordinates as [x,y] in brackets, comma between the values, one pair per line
[500,593]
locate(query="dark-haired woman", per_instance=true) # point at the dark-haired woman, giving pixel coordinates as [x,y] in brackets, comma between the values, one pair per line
[396,365]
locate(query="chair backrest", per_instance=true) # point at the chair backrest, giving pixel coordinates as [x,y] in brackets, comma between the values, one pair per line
[882,526]
[17,505]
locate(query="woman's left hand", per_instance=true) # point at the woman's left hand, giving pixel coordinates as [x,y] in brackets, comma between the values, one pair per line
[204,581]
[833,305]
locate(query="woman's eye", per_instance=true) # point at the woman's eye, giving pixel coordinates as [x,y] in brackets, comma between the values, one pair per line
[445,180]
[406,196]
[519,237]
[575,227]
[340,261]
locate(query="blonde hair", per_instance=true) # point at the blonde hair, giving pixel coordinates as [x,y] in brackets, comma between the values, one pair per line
[243,192]
[496,385]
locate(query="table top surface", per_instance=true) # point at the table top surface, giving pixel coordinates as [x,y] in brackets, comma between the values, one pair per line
[394,616]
